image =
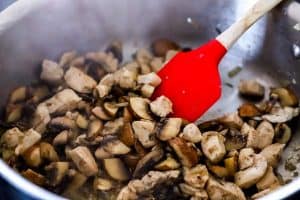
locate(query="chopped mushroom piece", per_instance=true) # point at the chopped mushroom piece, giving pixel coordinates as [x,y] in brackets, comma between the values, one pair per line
[94,128]
[187,153]
[82,122]
[84,160]
[196,193]
[272,153]
[99,112]
[232,120]
[11,138]
[262,137]
[77,180]
[213,146]
[105,85]
[281,115]
[13,113]
[34,177]
[113,127]
[115,147]
[32,156]
[79,81]
[48,152]
[286,96]
[140,107]
[223,190]
[251,88]
[161,106]
[62,123]
[246,158]
[156,64]
[151,79]
[250,176]
[116,169]
[18,95]
[167,164]
[30,138]
[143,56]
[51,72]
[196,176]
[126,78]
[235,139]
[283,133]
[191,133]
[61,138]
[144,131]
[248,110]
[107,60]
[127,135]
[268,180]
[170,129]
[102,184]
[110,108]
[56,172]
[147,90]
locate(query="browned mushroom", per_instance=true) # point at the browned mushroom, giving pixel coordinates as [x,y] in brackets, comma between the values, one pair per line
[99,112]
[170,129]
[144,131]
[62,123]
[18,95]
[248,110]
[251,88]
[161,106]
[143,56]
[32,156]
[114,146]
[235,140]
[30,138]
[268,180]
[48,152]
[11,138]
[56,171]
[286,96]
[283,133]
[13,112]
[105,85]
[107,60]
[272,153]
[77,180]
[116,169]
[127,135]
[167,164]
[82,122]
[213,146]
[94,128]
[110,108]
[61,138]
[102,184]
[140,107]
[34,177]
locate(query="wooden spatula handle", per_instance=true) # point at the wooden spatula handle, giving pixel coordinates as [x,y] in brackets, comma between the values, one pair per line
[232,34]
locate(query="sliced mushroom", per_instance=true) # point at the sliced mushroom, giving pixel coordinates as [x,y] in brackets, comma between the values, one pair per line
[102,184]
[84,160]
[160,47]
[48,152]
[246,158]
[167,164]
[77,180]
[281,115]
[13,113]
[161,106]
[196,176]
[61,138]
[32,156]
[251,88]
[107,60]
[250,176]
[11,138]
[110,108]
[218,171]
[272,153]
[82,122]
[286,96]
[283,133]
[127,135]
[186,153]
[56,171]
[113,127]
[105,85]
[231,164]
[140,107]
[99,112]
[94,128]
[232,120]
[127,115]
[223,190]
[191,133]
[235,140]
[34,177]
[51,72]
[268,180]
[102,153]
[126,78]
[116,169]
[40,93]
[248,110]
[147,90]
[150,79]
[62,123]
[262,193]
[30,138]
[213,146]
[147,162]
[170,129]
[144,131]
[67,58]
[18,95]
[115,147]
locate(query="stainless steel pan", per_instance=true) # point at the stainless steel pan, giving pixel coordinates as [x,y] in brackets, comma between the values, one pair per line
[33,30]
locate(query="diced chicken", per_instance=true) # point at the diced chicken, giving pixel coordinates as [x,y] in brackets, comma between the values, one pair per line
[250,176]
[30,138]
[196,176]
[262,137]
[150,79]
[213,146]
[51,72]
[141,186]
[161,106]
[191,133]
[84,160]
[11,138]
[223,190]
[246,158]
[170,129]
[144,131]
[268,180]
[112,127]
[79,81]
[105,85]
[272,153]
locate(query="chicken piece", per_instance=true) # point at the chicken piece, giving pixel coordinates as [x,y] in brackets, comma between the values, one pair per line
[246,158]
[84,160]
[268,180]
[250,176]
[115,147]
[31,137]
[41,118]
[51,72]
[105,85]
[142,186]
[126,78]
[79,81]
[170,129]
[151,79]
[161,106]
[272,153]
[191,133]
[223,190]
[213,146]
[196,176]
[262,137]
[144,131]
[251,88]
[11,138]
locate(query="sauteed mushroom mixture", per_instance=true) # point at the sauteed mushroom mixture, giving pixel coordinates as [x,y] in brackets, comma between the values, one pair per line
[88,129]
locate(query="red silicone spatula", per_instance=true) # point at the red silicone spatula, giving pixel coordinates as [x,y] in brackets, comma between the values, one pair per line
[191,79]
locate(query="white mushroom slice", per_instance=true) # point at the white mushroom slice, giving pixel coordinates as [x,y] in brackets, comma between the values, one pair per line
[213,146]
[191,133]
[168,164]
[272,153]
[232,120]
[246,158]
[67,58]
[187,153]
[141,186]
[161,106]
[281,115]
[41,118]
[77,180]
[62,123]
[151,79]
[30,138]
[105,85]
[262,137]
[140,107]
[102,184]
[223,190]
[84,160]
[144,131]
[94,128]
[11,138]
[170,129]
[111,108]
[116,169]
[250,176]
[13,113]
[99,112]
[147,90]
[196,176]
[115,147]
[156,64]
[112,127]
[56,172]
[286,96]
[51,72]
[79,81]
[268,180]
[126,78]
[107,60]
[61,138]
[251,88]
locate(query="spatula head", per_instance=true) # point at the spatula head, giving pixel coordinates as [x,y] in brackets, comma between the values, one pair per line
[191,80]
